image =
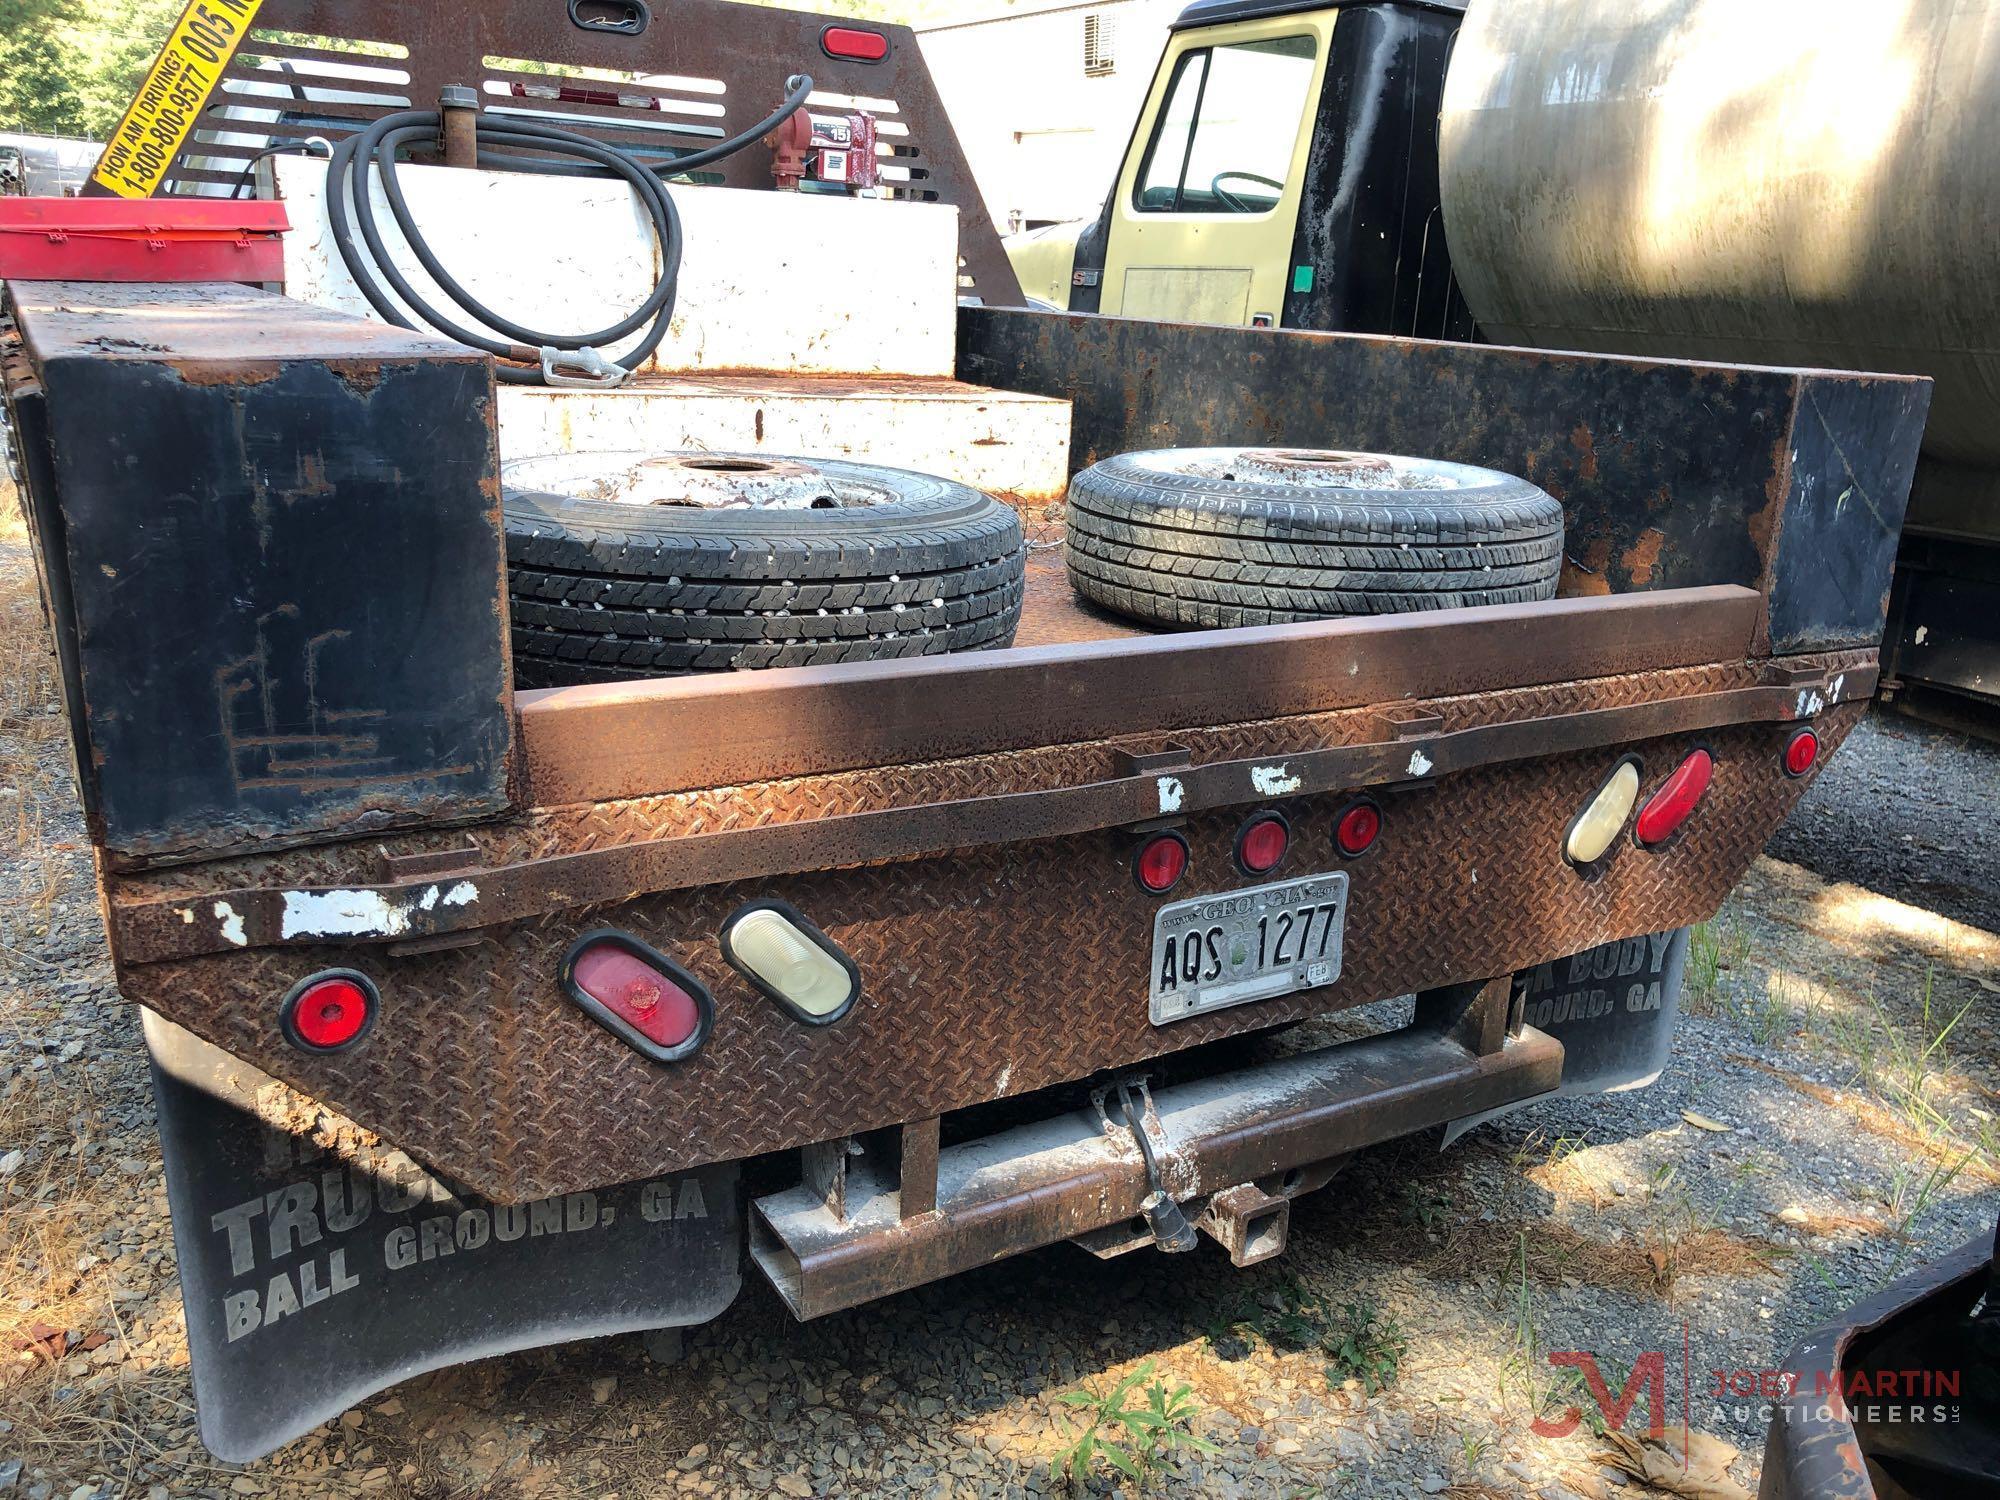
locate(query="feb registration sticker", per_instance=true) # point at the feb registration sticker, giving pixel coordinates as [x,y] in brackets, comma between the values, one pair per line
[163,114]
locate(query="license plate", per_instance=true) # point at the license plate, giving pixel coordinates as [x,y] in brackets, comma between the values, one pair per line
[1212,952]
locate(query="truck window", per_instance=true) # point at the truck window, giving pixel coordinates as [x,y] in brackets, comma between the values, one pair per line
[1223,144]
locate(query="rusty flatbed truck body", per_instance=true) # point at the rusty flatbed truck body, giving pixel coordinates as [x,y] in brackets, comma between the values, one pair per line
[271,547]
[962,826]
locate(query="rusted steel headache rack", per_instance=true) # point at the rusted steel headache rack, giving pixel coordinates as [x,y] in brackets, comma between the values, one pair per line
[687,79]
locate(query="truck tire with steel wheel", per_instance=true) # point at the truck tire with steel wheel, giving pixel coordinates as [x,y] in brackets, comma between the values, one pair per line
[626,565]
[1216,537]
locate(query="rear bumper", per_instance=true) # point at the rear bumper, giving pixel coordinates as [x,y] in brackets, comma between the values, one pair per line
[1078,1173]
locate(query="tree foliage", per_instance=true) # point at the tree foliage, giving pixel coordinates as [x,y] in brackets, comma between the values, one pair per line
[36,89]
[70,67]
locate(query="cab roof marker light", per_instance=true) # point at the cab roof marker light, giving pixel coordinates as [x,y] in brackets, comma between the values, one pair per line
[771,944]
[638,994]
[1674,803]
[1595,829]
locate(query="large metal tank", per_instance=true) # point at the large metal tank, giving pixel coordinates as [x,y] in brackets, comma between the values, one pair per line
[1772,181]
[1763,181]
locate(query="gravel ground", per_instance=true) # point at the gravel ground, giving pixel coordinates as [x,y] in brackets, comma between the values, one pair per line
[1907,810]
[1614,1225]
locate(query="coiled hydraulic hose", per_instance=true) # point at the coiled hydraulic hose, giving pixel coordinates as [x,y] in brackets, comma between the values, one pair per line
[500,139]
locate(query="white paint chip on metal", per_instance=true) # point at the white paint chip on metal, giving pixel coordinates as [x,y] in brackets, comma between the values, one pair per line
[231,922]
[1273,781]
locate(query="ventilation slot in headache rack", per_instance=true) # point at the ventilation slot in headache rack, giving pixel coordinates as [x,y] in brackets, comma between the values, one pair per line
[656,116]
[282,89]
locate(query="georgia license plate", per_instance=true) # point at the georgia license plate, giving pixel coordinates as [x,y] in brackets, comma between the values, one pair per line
[1211,952]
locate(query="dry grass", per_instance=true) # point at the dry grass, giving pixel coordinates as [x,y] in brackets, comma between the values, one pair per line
[1831,1226]
[59,1303]
[1647,1266]
[1567,1180]
[13,527]
[1937,1149]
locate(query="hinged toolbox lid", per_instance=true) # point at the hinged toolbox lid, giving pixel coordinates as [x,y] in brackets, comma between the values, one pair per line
[147,239]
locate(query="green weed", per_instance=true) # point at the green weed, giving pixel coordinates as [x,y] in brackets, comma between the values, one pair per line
[1142,1442]
[1364,1346]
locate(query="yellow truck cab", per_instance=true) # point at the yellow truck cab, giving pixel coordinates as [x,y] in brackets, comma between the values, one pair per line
[1283,172]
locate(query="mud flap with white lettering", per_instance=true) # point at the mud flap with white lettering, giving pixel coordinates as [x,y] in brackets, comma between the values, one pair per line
[317,1267]
[1612,1007]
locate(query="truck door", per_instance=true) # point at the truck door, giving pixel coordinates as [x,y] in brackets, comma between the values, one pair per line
[1202,216]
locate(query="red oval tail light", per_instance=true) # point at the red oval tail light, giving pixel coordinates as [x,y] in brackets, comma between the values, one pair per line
[1801,753]
[854,43]
[637,994]
[1676,799]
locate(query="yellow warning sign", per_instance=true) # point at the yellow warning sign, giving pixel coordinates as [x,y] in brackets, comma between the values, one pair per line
[161,118]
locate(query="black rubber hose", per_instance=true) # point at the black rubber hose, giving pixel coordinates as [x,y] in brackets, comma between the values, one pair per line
[499,139]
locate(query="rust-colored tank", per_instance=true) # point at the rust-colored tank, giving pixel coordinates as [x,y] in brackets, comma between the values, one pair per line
[1785,182]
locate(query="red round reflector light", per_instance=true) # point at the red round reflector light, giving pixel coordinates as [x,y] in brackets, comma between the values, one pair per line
[329,1011]
[853,43]
[1801,752]
[1357,829]
[1162,860]
[1261,846]
[1676,799]
[639,995]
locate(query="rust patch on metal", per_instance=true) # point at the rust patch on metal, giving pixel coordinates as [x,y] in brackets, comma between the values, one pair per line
[235,372]
[1584,577]
[362,377]
[1586,447]
[1643,556]
[1034,991]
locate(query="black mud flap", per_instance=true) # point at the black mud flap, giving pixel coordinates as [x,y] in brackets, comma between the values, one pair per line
[1612,1007]
[318,1269]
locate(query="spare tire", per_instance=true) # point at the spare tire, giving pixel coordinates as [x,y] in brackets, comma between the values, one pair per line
[625,565]
[1209,537]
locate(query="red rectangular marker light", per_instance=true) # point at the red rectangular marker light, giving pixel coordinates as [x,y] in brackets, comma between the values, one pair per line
[854,44]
